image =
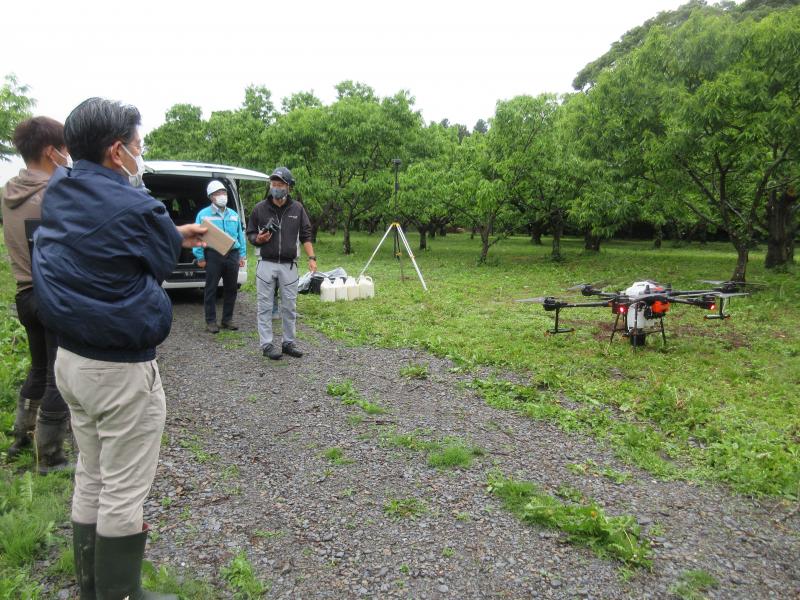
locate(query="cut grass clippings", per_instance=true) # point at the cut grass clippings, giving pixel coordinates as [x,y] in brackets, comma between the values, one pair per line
[585,523]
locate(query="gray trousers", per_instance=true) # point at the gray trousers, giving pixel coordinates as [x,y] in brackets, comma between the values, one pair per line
[267,275]
[118,413]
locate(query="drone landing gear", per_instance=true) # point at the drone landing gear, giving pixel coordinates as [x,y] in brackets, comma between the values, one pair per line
[720,311]
[556,329]
[637,337]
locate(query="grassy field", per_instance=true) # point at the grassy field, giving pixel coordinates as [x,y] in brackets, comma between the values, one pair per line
[719,403]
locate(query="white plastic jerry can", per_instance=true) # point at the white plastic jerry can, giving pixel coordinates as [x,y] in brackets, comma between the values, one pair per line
[366,288]
[352,288]
[340,293]
[327,292]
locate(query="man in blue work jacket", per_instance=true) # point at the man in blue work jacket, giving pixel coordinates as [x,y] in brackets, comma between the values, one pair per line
[218,265]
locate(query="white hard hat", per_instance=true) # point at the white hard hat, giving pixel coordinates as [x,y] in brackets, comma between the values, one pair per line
[214,186]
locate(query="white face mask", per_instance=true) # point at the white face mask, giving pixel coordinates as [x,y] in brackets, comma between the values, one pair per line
[220,201]
[135,178]
[67,160]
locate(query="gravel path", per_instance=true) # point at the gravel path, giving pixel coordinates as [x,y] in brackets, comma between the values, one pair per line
[242,467]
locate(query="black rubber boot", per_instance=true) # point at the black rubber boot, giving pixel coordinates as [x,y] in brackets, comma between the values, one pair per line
[24,425]
[118,569]
[83,537]
[51,429]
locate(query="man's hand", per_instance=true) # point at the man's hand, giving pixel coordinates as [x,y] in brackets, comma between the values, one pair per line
[242,262]
[263,237]
[201,264]
[312,265]
[192,234]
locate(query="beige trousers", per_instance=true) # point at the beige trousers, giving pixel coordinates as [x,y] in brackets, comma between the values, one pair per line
[118,414]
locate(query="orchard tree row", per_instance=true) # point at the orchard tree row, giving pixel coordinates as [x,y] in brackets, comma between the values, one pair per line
[690,123]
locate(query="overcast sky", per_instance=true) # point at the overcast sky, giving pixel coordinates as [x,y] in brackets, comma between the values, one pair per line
[457,58]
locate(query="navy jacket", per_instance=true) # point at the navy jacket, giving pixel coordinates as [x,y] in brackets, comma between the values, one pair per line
[100,255]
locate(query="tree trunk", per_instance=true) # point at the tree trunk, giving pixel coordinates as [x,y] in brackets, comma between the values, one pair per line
[742,255]
[781,229]
[348,249]
[658,237]
[423,239]
[314,231]
[558,230]
[484,245]
[432,232]
[591,242]
[536,234]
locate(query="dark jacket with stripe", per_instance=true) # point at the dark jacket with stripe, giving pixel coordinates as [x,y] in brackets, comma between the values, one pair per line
[100,255]
[295,225]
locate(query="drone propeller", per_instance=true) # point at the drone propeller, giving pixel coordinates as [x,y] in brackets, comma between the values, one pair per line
[598,285]
[539,300]
[737,286]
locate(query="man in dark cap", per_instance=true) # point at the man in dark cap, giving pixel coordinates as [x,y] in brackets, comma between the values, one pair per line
[275,226]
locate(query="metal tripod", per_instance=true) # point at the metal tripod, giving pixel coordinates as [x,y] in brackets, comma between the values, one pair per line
[402,238]
[399,236]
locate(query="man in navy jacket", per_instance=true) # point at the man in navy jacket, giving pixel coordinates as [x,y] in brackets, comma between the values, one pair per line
[101,253]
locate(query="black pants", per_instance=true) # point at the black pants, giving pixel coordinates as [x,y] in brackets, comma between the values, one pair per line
[226,267]
[41,381]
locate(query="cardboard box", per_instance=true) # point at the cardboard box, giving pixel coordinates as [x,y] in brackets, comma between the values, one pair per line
[216,238]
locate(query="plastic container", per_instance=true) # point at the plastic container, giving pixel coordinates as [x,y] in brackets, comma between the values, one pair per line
[366,288]
[327,291]
[338,288]
[352,288]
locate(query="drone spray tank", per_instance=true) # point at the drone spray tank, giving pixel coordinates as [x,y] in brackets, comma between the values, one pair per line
[643,317]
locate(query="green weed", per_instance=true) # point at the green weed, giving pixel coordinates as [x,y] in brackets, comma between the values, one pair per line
[336,456]
[586,523]
[414,372]
[242,580]
[164,579]
[448,453]
[349,396]
[193,445]
[692,584]
[404,508]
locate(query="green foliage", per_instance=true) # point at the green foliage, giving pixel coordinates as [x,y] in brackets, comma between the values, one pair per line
[15,106]
[414,371]
[242,580]
[453,455]
[336,456]
[30,508]
[17,584]
[586,523]
[349,396]
[692,584]
[448,453]
[167,581]
[404,508]
[702,119]
[192,443]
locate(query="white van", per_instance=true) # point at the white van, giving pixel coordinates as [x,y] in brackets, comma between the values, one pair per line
[181,186]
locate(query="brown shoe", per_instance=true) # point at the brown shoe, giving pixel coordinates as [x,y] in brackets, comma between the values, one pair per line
[212,328]
[229,325]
